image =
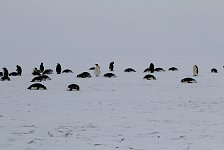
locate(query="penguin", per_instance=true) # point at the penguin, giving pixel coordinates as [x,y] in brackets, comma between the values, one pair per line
[67,71]
[58,68]
[37,86]
[5,76]
[48,71]
[195,70]
[73,87]
[149,77]
[173,69]
[36,72]
[84,75]
[188,80]
[92,68]
[40,78]
[129,70]
[213,70]
[14,74]
[111,66]
[97,71]
[151,68]
[42,67]
[159,70]
[19,70]
[110,75]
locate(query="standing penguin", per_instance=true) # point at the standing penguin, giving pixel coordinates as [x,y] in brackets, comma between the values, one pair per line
[195,70]
[151,68]
[58,68]
[111,66]
[5,75]
[97,71]
[41,67]
[19,70]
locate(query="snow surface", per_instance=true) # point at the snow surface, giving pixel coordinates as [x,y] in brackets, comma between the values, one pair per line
[126,113]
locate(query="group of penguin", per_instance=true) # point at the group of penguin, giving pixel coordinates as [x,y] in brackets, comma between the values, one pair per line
[41,74]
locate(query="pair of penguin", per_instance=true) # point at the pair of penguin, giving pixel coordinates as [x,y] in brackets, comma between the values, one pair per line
[39,86]
[191,80]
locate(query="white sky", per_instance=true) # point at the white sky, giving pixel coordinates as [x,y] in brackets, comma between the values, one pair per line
[57,24]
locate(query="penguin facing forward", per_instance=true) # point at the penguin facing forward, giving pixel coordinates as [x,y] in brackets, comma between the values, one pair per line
[188,80]
[37,86]
[73,87]
[5,76]
[195,70]
[97,71]
[42,67]
[36,72]
[149,77]
[58,68]
[111,66]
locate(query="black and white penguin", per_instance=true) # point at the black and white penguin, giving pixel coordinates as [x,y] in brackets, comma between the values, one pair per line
[195,70]
[188,80]
[58,68]
[19,70]
[129,70]
[48,71]
[84,75]
[40,78]
[159,70]
[97,71]
[110,75]
[173,69]
[36,72]
[67,71]
[42,67]
[213,70]
[5,76]
[149,77]
[13,74]
[37,86]
[111,66]
[92,68]
[73,87]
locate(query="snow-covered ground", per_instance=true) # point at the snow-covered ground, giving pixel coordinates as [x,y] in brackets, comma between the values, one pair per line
[126,113]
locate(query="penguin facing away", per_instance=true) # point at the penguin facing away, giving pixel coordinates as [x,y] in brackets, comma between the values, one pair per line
[151,68]
[129,70]
[149,77]
[41,67]
[173,69]
[213,70]
[58,68]
[5,76]
[97,71]
[19,70]
[111,66]
[195,70]
[48,71]
[110,75]
[84,75]
[67,71]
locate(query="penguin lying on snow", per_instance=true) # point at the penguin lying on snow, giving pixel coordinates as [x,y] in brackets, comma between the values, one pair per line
[149,77]
[84,75]
[48,71]
[110,75]
[188,80]
[14,74]
[37,86]
[36,72]
[159,70]
[173,69]
[129,70]
[67,71]
[92,68]
[213,70]
[73,87]
[40,78]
